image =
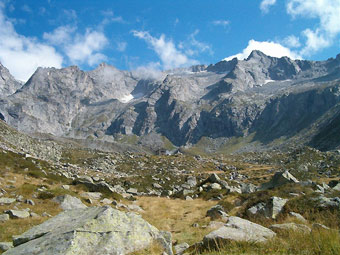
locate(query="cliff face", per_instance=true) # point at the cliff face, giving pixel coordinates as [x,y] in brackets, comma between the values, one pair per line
[269,97]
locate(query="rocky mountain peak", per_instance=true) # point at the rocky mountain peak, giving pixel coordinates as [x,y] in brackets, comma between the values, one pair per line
[8,84]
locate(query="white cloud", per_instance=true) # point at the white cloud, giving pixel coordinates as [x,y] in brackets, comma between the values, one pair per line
[223,23]
[292,41]
[269,48]
[85,48]
[166,50]
[22,55]
[60,35]
[79,48]
[195,47]
[328,29]
[266,4]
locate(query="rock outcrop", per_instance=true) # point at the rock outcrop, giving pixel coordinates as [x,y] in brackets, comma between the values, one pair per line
[95,230]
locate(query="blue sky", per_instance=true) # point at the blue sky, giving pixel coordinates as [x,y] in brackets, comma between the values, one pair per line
[162,34]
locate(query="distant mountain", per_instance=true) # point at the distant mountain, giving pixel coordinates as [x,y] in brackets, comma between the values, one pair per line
[8,85]
[271,101]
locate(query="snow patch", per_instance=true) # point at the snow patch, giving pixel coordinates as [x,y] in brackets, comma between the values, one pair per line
[126,99]
[267,81]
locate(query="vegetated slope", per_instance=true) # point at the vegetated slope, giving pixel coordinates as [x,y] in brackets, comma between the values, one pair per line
[274,99]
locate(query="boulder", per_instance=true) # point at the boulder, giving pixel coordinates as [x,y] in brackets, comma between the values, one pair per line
[7,200]
[4,246]
[279,228]
[276,206]
[68,202]
[4,217]
[216,212]
[180,248]
[237,229]
[298,217]
[270,209]
[18,214]
[90,231]
[279,179]
[92,195]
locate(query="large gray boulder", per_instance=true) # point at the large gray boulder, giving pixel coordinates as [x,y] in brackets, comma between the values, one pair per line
[270,209]
[90,231]
[279,179]
[68,202]
[237,229]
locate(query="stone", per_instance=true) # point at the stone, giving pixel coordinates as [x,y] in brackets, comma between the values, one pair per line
[45,214]
[29,201]
[216,186]
[257,209]
[188,198]
[279,179]
[90,231]
[336,187]
[156,186]
[66,187]
[18,214]
[237,229]
[106,201]
[191,181]
[134,208]
[7,200]
[213,178]
[132,191]
[34,215]
[68,202]
[4,246]
[92,195]
[290,227]
[318,227]
[328,202]
[247,188]
[180,248]
[4,217]
[277,204]
[298,217]
[216,212]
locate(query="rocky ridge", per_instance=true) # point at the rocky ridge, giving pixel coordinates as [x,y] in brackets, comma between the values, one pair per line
[264,100]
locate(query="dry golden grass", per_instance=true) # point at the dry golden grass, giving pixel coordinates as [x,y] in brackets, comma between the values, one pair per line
[177,216]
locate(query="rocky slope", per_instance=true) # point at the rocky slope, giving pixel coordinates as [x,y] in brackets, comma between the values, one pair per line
[271,100]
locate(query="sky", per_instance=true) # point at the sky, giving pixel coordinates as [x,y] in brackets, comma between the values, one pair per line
[153,35]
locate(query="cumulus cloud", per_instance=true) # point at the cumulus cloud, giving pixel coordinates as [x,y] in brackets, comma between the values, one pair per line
[22,55]
[266,4]
[292,41]
[269,48]
[85,48]
[166,50]
[79,48]
[328,29]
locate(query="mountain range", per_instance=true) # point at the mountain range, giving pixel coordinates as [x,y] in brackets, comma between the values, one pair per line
[257,103]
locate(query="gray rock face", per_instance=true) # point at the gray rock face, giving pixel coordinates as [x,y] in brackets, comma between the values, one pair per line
[238,229]
[8,85]
[270,209]
[228,99]
[68,202]
[95,230]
